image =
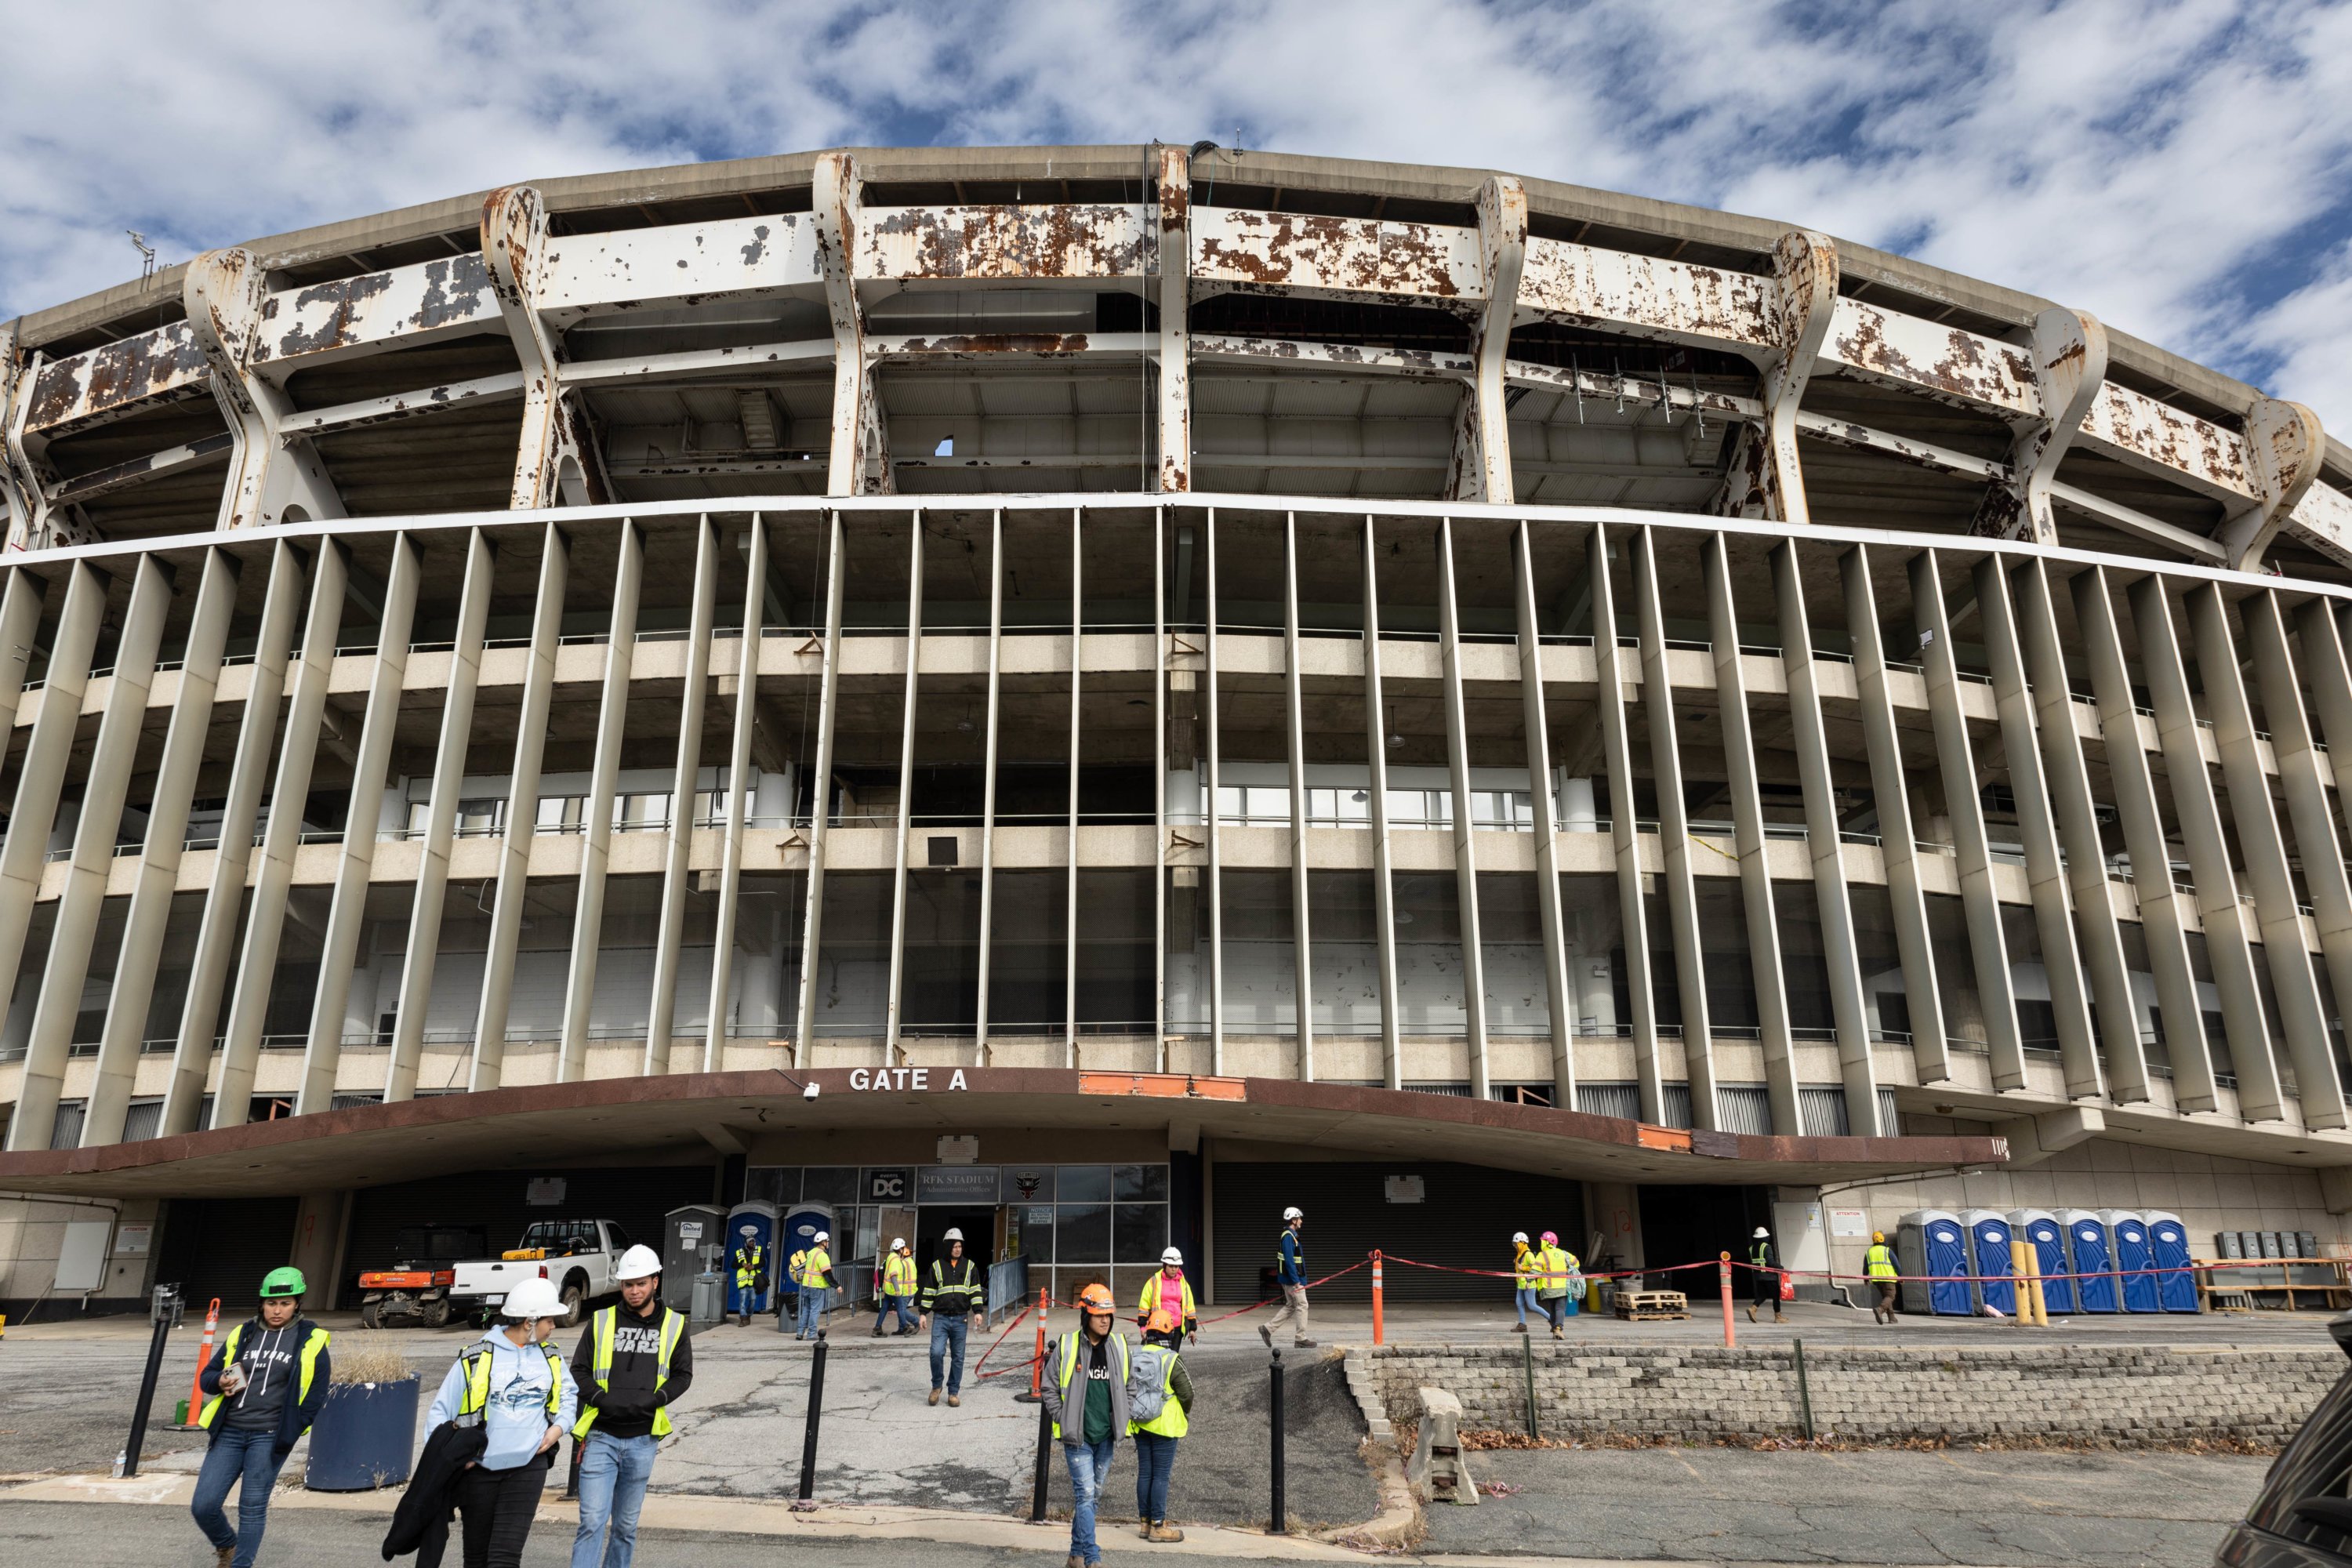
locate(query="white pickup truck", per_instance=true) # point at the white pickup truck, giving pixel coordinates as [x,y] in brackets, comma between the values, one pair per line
[578,1255]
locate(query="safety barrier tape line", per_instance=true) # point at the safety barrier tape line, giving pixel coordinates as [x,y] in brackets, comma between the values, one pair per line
[977,1367]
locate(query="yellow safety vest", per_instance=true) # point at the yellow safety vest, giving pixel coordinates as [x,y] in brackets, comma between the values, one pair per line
[476,1363]
[748,1260]
[311,1349]
[898,1275]
[1117,1343]
[1171,1422]
[1879,1261]
[1151,1300]
[1524,1265]
[599,1370]
[1556,1266]
[814,1264]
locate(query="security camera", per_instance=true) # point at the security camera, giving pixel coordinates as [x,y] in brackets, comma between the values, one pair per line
[808,1092]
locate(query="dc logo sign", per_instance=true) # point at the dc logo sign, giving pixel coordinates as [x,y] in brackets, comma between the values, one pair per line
[882,1186]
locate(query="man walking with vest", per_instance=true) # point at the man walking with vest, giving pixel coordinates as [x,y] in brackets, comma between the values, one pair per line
[1169,1291]
[816,1284]
[1160,1404]
[897,1287]
[1765,1285]
[1290,1273]
[1557,1279]
[956,1292]
[633,1362]
[751,1269]
[1086,1397]
[1878,1263]
[266,1382]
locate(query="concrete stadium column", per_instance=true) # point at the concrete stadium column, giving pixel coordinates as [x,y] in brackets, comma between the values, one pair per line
[2053,922]
[514,846]
[669,937]
[347,911]
[281,839]
[1764,957]
[2284,450]
[1457,763]
[859,462]
[449,758]
[897,996]
[2116,1016]
[2329,671]
[274,474]
[2319,849]
[1766,478]
[216,929]
[1383,866]
[321,1224]
[1624,829]
[2261,1096]
[1216,977]
[20,618]
[2068,354]
[1077,703]
[1824,846]
[41,775]
[1160,843]
[64,972]
[2164,913]
[143,925]
[1674,835]
[1294,744]
[596,824]
[991,724]
[1955,761]
[2318,1086]
[1172,256]
[557,462]
[739,774]
[1481,469]
[1559,993]
[1915,949]
[821,791]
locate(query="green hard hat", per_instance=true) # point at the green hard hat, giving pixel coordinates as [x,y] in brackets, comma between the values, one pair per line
[282,1283]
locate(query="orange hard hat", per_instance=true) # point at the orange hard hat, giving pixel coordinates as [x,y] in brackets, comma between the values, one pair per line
[1097,1298]
[1163,1321]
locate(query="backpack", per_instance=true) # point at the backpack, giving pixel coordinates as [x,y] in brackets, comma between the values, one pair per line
[1147,1382]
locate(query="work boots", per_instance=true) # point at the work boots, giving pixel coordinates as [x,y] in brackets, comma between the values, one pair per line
[1751,1311]
[1519,1328]
[1163,1530]
[935,1396]
[224,1555]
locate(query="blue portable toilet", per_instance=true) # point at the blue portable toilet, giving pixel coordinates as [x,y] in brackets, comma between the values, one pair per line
[801,1227]
[1927,1243]
[2128,1232]
[761,1216]
[2168,1245]
[1988,1252]
[2041,1227]
[2089,1254]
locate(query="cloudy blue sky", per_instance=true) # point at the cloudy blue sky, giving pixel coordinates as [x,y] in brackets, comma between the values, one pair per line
[2183,171]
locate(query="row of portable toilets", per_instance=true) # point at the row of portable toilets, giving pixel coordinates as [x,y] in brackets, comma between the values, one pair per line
[688,1232]
[2070,1242]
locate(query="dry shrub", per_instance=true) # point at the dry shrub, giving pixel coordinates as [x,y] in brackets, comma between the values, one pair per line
[371,1361]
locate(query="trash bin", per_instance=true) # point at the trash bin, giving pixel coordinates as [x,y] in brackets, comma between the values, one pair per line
[2041,1229]
[1930,1242]
[1989,1258]
[2089,1254]
[2133,1259]
[2168,1245]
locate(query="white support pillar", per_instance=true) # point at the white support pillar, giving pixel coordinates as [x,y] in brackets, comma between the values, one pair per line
[821,799]
[1295,747]
[1077,703]
[1560,996]
[26,476]
[1172,257]
[1624,825]
[896,998]
[2069,355]
[739,769]
[73,930]
[1766,479]
[347,913]
[1159,788]
[514,846]
[1457,760]
[1216,878]
[274,476]
[2284,450]
[281,608]
[449,755]
[1383,868]
[859,463]
[669,937]
[556,459]
[1481,469]
[596,819]
[987,781]
[1677,876]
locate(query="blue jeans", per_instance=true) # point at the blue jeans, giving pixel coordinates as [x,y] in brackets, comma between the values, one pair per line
[1155,1461]
[902,1305]
[613,1476]
[236,1455]
[813,1304]
[1089,1467]
[948,1332]
[1526,1298]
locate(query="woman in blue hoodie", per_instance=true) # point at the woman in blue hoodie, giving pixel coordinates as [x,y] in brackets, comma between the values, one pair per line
[263,1388]
[514,1384]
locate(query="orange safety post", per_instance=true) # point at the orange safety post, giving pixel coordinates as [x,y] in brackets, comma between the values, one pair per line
[1376,1297]
[203,1354]
[1723,1272]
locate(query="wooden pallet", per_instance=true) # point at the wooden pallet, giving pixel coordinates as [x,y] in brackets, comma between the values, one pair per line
[1651,1306]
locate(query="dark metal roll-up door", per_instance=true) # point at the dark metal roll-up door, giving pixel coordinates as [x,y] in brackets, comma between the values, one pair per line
[1463,1218]
[222,1246]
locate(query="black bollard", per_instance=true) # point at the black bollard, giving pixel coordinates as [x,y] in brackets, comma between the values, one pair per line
[146,1396]
[1281,1524]
[815,1410]
[1044,1450]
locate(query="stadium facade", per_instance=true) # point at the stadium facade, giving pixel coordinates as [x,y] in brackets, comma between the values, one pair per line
[1157,683]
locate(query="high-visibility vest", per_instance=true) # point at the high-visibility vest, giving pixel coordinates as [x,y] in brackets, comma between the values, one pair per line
[750,1258]
[1155,1297]
[1170,1421]
[599,1370]
[1118,1369]
[898,1275]
[476,1363]
[310,1364]
[814,1264]
[1760,1254]
[1556,1266]
[1879,1261]
[1298,1256]
[1525,1266]
[966,1283]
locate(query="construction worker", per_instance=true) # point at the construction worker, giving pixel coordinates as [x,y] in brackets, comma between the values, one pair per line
[1290,1273]
[1168,1291]
[266,1382]
[1524,1271]
[897,1287]
[1159,1403]
[1090,1417]
[750,1272]
[815,1283]
[791,1283]
[1878,1264]
[633,1362]
[1764,1287]
[512,1384]
[957,1293]
[1557,1282]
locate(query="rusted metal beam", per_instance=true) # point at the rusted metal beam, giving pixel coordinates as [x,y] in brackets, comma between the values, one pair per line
[557,461]
[1307,255]
[1172,266]
[769,255]
[861,449]
[155,465]
[2284,448]
[398,405]
[1045,240]
[402,307]
[1765,478]
[2069,361]
[1650,297]
[273,477]
[1481,470]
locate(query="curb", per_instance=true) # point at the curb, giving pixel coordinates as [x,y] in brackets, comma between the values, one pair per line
[1397,1522]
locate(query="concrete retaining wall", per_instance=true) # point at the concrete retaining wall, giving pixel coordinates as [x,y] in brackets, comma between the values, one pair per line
[2131,1396]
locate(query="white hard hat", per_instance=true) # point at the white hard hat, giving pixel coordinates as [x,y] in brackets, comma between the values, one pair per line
[1289,1215]
[1761,1233]
[1172,1259]
[896,1242]
[952,1235]
[822,1235]
[1519,1238]
[640,1262]
[749,1231]
[532,1299]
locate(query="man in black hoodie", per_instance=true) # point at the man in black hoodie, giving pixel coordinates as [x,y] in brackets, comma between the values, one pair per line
[633,1362]
[266,1385]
